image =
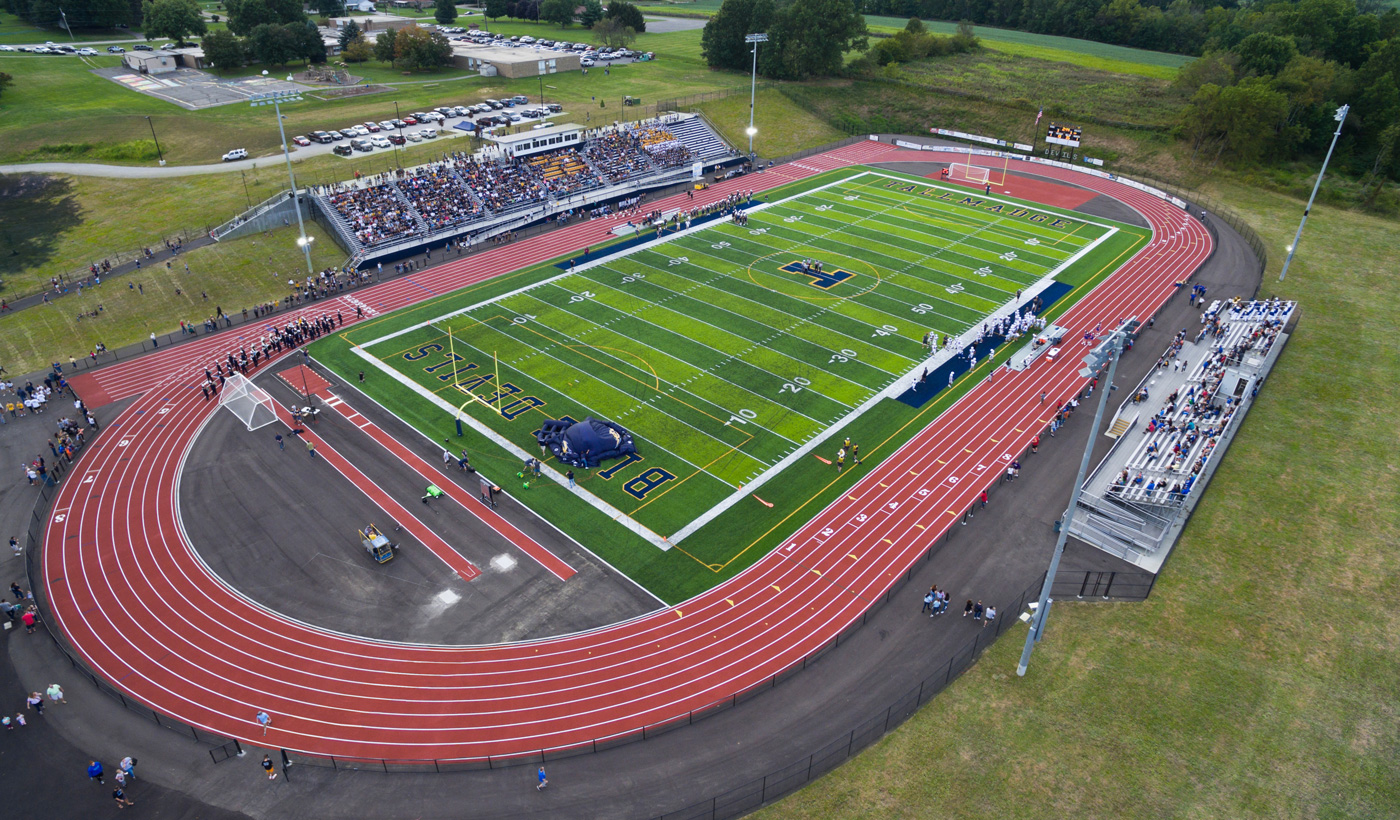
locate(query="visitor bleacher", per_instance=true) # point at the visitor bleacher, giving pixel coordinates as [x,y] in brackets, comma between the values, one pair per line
[1180,437]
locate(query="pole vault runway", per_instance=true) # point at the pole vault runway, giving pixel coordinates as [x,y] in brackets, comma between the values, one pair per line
[136,602]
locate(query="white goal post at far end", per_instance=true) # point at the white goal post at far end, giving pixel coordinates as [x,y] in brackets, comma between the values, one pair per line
[250,403]
[976,173]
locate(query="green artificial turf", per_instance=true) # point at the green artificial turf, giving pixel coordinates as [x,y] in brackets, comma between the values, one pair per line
[718,361]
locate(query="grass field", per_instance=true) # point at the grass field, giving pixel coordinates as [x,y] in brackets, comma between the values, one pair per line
[231,275]
[1258,681]
[721,363]
[60,102]
[782,127]
[14,31]
[1073,91]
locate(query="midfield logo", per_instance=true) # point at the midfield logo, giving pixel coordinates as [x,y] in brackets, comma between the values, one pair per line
[825,279]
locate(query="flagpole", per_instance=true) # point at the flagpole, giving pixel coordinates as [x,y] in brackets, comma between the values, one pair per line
[1035,129]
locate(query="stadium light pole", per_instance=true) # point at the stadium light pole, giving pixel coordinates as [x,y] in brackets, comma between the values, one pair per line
[159,155]
[754,39]
[275,99]
[1341,118]
[1108,352]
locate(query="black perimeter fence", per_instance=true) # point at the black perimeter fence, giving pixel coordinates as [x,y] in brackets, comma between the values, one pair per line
[1122,586]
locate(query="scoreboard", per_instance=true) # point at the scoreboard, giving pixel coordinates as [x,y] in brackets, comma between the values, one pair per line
[1063,135]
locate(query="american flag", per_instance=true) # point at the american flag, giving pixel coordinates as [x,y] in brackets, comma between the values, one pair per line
[1039,114]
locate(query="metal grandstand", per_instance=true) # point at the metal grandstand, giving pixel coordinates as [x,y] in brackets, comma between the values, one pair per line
[1173,429]
[407,210]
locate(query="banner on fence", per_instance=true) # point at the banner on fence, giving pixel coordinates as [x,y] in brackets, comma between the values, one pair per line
[943,132]
[1094,161]
[907,144]
[1021,146]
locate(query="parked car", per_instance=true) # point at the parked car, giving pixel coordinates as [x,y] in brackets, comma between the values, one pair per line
[587,62]
[320,136]
[362,144]
[396,139]
[236,154]
[530,114]
[302,141]
[387,125]
[336,136]
[11,48]
[413,136]
[342,150]
[554,108]
[514,117]
[141,47]
[88,52]
[409,120]
[461,111]
[115,50]
[429,133]
[379,142]
[520,99]
[372,127]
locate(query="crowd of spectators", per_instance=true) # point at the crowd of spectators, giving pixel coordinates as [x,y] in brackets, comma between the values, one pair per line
[375,214]
[563,172]
[501,186]
[617,154]
[439,196]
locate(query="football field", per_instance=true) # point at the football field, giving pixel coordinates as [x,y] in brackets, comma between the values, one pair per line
[722,348]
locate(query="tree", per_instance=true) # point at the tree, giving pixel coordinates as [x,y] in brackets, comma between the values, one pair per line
[613,33]
[557,11]
[495,9]
[445,11]
[246,15]
[811,38]
[358,50]
[348,33]
[273,45]
[419,49]
[385,47]
[310,45]
[176,19]
[224,49]
[5,80]
[628,15]
[722,41]
[1265,54]
[592,13]
[330,8]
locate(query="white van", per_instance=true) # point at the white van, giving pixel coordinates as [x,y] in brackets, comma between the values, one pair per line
[237,153]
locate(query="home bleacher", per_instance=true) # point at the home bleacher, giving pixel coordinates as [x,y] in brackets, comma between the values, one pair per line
[439,196]
[371,214]
[563,172]
[374,214]
[702,143]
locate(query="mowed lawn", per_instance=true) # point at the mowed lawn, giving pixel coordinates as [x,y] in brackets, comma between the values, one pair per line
[783,128]
[230,275]
[1260,678]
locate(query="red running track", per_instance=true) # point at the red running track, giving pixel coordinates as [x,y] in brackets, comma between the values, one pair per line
[126,586]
